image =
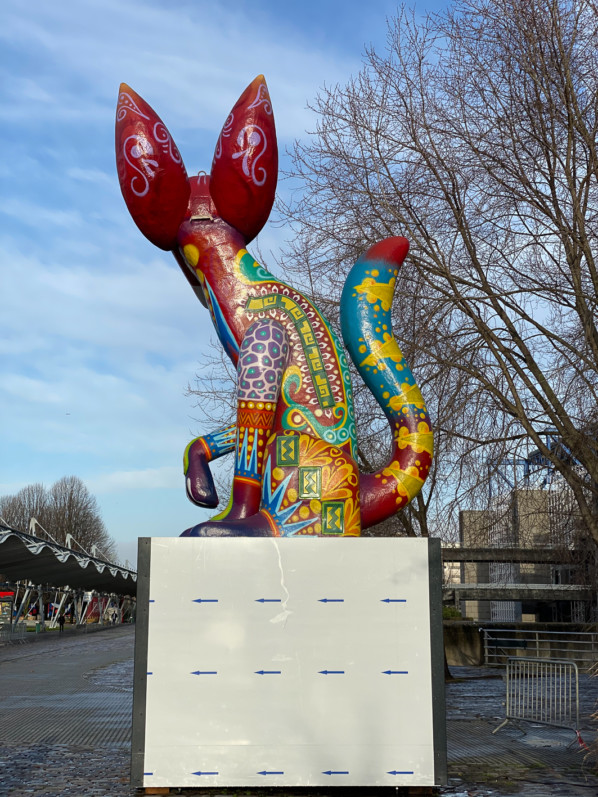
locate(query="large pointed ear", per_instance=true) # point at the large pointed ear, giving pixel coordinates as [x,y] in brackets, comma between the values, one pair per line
[153,179]
[245,166]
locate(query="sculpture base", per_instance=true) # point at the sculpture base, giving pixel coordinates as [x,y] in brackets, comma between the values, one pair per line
[288,662]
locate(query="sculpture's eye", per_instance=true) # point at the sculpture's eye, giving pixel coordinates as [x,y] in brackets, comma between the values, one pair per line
[191,254]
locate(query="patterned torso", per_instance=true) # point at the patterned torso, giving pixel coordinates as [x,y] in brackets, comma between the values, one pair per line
[315,395]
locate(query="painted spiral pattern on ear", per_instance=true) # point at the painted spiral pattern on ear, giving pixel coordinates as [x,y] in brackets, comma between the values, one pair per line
[137,151]
[168,146]
[153,179]
[251,137]
[125,104]
[245,166]
[263,99]
[224,133]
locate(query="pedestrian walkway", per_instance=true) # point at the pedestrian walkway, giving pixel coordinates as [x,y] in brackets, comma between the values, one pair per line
[65,715]
[65,724]
[529,760]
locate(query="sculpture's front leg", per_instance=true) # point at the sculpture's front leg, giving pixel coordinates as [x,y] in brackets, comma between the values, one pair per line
[262,360]
[198,454]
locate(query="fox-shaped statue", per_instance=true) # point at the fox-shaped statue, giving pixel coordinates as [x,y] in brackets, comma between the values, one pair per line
[294,440]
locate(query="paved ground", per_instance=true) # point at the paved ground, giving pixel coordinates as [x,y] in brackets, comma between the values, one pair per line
[65,714]
[530,760]
[65,719]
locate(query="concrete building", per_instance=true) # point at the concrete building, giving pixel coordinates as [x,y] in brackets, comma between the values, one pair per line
[542,522]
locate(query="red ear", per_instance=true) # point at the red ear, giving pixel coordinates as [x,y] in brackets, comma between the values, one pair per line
[245,166]
[153,179]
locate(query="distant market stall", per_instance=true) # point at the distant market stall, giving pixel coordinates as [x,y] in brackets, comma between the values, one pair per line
[24,557]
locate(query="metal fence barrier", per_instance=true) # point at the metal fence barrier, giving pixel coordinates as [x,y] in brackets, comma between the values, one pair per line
[578,646]
[544,691]
[11,633]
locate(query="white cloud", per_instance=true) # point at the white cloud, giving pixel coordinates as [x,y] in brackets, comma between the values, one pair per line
[37,215]
[148,479]
[24,388]
[129,307]
[192,61]
[91,176]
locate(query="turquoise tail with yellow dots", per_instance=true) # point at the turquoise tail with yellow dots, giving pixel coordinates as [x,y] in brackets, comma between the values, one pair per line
[367,333]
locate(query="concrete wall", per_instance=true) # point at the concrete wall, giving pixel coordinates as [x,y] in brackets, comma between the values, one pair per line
[463,643]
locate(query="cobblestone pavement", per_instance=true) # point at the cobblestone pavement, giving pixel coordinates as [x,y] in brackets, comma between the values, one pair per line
[65,720]
[65,715]
[527,760]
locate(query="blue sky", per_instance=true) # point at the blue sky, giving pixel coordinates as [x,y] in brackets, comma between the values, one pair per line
[99,331]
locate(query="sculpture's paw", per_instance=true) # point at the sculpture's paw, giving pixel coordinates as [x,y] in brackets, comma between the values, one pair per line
[198,478]
[250,527]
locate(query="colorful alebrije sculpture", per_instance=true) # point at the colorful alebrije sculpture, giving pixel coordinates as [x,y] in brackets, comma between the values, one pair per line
[294,439]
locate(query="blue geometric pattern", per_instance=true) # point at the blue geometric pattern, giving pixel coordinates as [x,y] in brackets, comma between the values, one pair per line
[272,503]
[245,466]
[225,334]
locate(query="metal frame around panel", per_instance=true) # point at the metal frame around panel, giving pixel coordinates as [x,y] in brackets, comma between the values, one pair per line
[141,656]
[140,671]
[437,653]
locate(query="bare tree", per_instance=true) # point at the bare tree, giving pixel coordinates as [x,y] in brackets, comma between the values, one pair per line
[18,509]
[66,508]
[215,400]
[474,135]
[74,510]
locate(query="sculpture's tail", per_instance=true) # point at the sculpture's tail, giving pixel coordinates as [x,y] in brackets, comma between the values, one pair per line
[367,333]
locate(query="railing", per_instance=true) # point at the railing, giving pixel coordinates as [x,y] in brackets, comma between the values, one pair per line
[12,633]
[580,647]
[544,691]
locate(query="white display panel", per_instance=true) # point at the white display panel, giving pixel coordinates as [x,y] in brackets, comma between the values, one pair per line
[295,662]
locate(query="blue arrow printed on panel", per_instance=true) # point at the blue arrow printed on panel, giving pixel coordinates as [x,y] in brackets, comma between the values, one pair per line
[205,600]
[395,672]
[268,672]
[205,672]
[331,600]
[393,600]
[151,600]
[267,772]
[205,773]
[268,600]
[332,672]
[334,772]
[396,772]
[148,773]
